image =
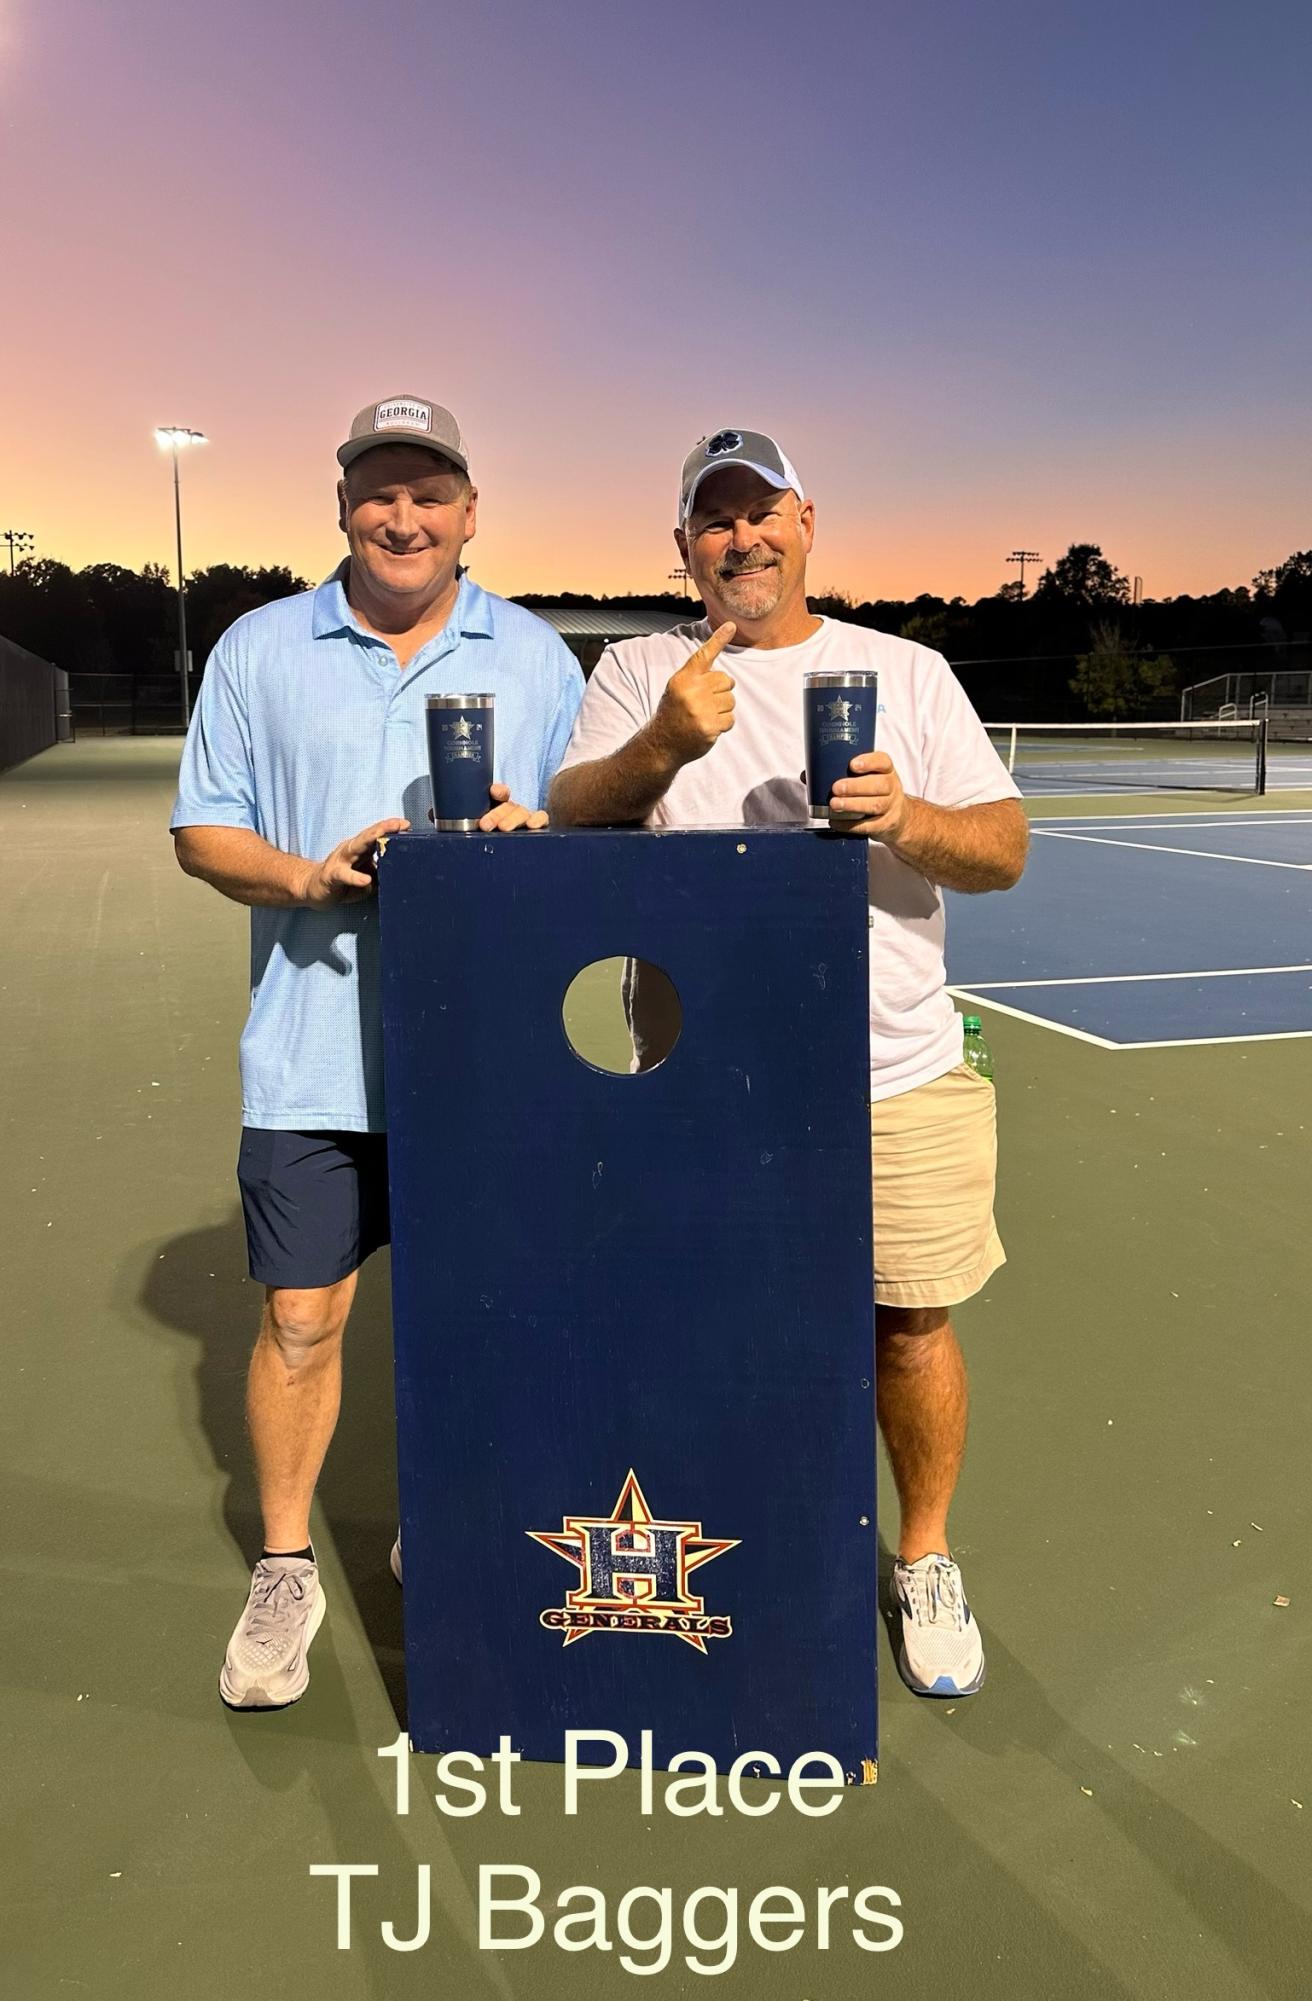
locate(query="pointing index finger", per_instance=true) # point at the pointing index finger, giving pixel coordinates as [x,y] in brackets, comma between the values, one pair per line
[706,655]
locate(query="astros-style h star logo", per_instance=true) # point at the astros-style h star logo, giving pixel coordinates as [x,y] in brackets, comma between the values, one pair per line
[633,1573]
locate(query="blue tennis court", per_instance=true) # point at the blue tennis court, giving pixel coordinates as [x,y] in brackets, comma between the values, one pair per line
[1135,932]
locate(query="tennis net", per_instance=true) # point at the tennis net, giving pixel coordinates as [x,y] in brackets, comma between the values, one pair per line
[1134,757]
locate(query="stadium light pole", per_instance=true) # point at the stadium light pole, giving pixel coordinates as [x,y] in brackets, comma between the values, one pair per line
[169,437]
[17,538]
[1023,556]
[680,576]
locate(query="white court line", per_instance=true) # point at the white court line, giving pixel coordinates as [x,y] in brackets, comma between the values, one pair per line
[1195,1041]
[1243,817]
[1145,792]
[1180,820]
[1100,1041]
[1184,770]
[1039,1020]
[1273,784]
[1060,764]
[1160,848]
[1131,979]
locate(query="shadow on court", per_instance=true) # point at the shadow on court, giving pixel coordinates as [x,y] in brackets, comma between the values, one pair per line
[357,1489]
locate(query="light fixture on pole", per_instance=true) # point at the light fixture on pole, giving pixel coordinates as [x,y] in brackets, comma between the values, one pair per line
[1023,556]
[680,576]
[169,437]
[18,539]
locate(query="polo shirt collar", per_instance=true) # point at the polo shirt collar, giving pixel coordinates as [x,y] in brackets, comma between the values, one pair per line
[471,615]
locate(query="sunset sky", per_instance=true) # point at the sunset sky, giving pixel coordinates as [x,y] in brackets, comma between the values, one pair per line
[995,276]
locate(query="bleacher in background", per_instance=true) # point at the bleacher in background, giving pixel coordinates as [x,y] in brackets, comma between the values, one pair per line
[1282,694]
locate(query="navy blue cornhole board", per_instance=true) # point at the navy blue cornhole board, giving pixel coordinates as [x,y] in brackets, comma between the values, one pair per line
[633,1315]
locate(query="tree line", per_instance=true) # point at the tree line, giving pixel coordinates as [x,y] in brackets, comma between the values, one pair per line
[106,619]
[1075,644]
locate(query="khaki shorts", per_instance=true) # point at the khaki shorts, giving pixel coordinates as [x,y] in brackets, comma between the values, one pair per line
[934,1157]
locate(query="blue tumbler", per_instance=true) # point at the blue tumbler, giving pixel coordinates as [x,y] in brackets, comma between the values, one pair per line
[839,720]
[460,741]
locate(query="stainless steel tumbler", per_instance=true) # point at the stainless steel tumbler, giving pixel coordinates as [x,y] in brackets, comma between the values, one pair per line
[461,734]
[839,719]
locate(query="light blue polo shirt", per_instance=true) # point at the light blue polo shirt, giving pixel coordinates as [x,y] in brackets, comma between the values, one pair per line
[307,731]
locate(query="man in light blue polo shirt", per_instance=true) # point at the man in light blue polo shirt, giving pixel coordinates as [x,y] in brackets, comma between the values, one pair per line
[308,744]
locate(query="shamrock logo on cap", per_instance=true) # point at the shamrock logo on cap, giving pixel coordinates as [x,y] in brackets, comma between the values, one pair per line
[724,441]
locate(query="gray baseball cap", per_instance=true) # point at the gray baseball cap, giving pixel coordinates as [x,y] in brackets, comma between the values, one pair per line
[406,420]
[735,448]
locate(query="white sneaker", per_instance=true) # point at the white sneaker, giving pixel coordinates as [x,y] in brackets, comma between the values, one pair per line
[395,1558]
[941,1651]
[266,1665]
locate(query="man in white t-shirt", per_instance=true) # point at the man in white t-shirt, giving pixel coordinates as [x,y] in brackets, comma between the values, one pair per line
[702,727]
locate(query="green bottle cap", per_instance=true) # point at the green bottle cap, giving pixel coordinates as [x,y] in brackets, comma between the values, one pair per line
[972,1024]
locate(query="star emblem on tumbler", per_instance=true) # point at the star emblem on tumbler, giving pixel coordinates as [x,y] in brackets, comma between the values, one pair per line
[839,710]
[463,728]
[633,1573]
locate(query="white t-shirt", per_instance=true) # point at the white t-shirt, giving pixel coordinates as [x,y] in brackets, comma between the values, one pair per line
[752,775]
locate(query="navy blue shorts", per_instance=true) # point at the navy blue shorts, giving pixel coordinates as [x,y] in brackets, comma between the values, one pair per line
[315,1203]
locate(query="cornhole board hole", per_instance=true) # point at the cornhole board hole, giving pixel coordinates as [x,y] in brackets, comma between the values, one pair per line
[633,1314]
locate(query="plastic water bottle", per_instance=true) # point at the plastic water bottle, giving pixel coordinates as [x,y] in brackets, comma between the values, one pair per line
[975,1050]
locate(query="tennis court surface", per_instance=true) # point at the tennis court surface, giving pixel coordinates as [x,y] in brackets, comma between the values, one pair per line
[1136,932]
[1126,1808]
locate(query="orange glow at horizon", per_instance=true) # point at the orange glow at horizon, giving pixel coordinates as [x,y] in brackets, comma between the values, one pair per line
[276,509]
